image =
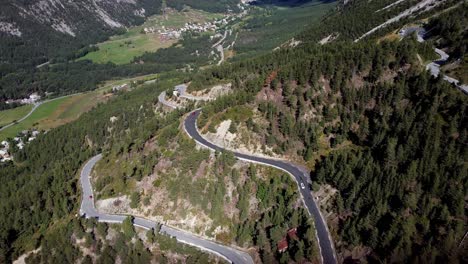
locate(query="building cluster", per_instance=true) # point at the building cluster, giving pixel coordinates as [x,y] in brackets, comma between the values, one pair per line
[33,98]
[4,151]
[120,87]
[26,136]
[173,33]
[20,141]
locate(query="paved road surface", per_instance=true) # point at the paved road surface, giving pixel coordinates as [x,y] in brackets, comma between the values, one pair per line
[220,49]
[182,88]
[298,173]
[89,210]
[219,46]
[434,66]
[162,99]
[43,64]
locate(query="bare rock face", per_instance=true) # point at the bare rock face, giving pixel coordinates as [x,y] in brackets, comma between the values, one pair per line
[73,17]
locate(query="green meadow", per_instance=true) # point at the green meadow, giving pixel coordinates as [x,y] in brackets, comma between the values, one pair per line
[11,115]
[122,49]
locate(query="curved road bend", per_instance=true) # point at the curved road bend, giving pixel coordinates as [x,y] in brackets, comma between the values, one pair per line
[162,99]
[182,89]
[89,211]
[434,66]
[300,175]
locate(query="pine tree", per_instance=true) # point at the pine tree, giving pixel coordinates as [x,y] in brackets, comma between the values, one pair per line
[127,227]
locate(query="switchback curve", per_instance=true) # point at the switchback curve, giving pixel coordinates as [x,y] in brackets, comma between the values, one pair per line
[300,174]
[88,210]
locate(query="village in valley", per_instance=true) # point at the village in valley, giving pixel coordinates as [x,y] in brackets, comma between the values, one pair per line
[173,32]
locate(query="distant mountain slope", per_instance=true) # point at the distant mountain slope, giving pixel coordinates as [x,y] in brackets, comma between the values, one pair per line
[206,5]
[35,31]
[382,16]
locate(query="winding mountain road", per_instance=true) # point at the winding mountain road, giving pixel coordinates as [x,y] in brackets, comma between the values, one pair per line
[219,46]
[299,173]
[182,89]
[88,210]
[231,254]
[162,100]
[434,66]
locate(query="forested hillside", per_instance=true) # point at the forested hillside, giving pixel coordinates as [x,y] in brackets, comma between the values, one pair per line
[33,32]
[383,122]
[449,31]
[271,24]
[383,138]
[224,199]
[352,19]
[41,187]
[88,241]
[72,77]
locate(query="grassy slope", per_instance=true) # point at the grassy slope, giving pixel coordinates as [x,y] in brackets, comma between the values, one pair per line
[10,115]
[58,112]
[39,114]
[123,48]
[123,51]
[55,113]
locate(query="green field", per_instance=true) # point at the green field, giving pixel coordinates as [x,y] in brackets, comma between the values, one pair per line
[11,115]
[121,49]
[41,113]
[56,113]
[61,111]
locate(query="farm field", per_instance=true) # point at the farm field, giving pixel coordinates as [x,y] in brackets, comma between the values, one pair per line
[122,49]
[55,113]
[10,115]
[61,111]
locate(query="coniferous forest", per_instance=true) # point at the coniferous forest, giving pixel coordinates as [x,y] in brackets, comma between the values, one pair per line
[367,118]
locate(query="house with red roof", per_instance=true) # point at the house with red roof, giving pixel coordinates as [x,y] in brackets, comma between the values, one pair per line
[282,245]
[292,233]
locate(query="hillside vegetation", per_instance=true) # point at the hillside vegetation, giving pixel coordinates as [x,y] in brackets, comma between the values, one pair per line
[48,29]
[397,181]
[384,141]
[222,198]
[123,48]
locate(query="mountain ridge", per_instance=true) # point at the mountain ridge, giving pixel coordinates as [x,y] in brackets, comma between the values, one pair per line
[34,32]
